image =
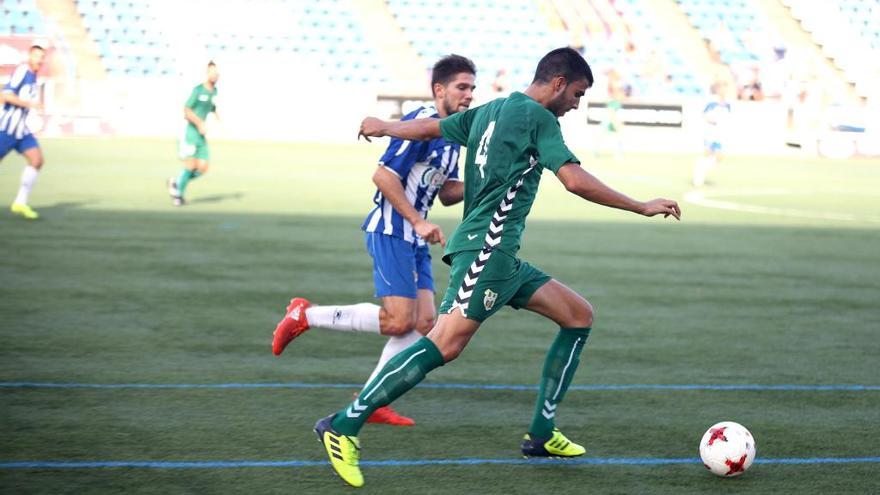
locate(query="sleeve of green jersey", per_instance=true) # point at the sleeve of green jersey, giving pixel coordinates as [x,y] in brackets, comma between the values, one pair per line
[552,151]
[457,127]
[193,98]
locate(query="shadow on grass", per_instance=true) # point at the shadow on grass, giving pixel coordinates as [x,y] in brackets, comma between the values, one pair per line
[217,198]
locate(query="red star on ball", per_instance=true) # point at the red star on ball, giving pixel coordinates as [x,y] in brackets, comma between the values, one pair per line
[736,466]
[717,434]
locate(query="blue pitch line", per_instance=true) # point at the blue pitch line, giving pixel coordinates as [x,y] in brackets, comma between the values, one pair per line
[455,386]
[601,461]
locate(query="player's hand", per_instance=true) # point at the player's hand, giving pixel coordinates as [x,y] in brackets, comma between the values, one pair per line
[431,233]
[371,127]
[665,206]
[202,129]
[36,105]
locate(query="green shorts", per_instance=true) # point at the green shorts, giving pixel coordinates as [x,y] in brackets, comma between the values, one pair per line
[190,147]
[481,282]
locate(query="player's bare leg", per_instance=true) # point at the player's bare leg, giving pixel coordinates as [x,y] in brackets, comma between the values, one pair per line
[34,158]
[703,166]
[399,314]
[403,372]
[574,315]
[562,305]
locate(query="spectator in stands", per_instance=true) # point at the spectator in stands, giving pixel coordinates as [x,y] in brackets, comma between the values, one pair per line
[193,148]
[751,88]
[501,84]
[774,74]
[723,40]
[20,95]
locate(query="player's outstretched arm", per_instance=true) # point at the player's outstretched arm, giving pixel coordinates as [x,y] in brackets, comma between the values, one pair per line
[580,182]
[411,130]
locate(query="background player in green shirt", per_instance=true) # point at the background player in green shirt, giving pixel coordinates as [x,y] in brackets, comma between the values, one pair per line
[193,147]
[509,141]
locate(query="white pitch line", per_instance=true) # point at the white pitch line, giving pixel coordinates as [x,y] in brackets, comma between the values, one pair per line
[700,198]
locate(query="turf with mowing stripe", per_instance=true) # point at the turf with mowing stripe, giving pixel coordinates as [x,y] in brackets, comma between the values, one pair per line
[116,286]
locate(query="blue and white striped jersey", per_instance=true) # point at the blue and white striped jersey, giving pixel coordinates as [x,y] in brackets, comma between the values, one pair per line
[23,84]
[423,168]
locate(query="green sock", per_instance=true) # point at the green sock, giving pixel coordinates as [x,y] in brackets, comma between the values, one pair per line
[559,367]
[185,176]
[403,372]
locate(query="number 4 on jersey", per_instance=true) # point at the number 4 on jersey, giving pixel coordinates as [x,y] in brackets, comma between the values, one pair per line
[483,148]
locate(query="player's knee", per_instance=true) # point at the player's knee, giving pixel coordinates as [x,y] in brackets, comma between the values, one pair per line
[582,315]
[398,325]
[424,324]
[588,314]
[450,352]
[36,162]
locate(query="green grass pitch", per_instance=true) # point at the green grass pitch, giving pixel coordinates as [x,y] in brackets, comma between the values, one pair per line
[114,285]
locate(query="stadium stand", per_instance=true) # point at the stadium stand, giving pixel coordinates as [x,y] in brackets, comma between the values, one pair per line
[324,31]
[21,17]
[133,43]
[663,68]
[735,28]
[495,34]
[128,36]
[849,33]
[620,38]
[613,36]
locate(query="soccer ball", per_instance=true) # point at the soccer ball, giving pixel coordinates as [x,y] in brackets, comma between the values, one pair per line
[727,449]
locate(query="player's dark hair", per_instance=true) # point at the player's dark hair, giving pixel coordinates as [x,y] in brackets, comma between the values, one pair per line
[211,64]
[36,47]
[565,62]
[448,67]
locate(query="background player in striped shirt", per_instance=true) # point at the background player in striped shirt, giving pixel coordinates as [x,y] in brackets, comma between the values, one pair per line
[715,117]
[20,95]
[409,177]
[193,147]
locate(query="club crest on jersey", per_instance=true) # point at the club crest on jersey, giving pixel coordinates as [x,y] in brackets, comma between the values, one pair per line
[432,177]
[489,299]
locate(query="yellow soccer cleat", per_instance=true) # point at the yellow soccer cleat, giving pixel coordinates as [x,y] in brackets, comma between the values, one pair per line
[24,211]
[554,446]
[344,452]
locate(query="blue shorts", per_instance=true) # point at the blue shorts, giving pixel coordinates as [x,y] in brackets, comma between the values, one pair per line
[400,268]
[712,146]
[9,143]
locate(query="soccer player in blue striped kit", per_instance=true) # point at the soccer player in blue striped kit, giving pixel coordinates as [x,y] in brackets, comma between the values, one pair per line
[19,96]
[411,174]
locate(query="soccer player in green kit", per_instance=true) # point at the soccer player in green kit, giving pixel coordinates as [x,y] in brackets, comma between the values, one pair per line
[193,148]
[509,141]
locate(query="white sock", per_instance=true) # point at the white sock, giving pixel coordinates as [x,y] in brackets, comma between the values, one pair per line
[28,177]
[362,317]
[704,164]
[394,345]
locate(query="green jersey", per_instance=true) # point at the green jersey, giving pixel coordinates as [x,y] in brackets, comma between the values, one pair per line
[510,141]
[201,102]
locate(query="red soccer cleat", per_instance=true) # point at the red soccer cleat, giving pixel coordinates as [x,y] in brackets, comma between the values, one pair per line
[291,326]
[388,416]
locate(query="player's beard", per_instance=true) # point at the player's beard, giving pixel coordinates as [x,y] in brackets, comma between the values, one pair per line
[449,108]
